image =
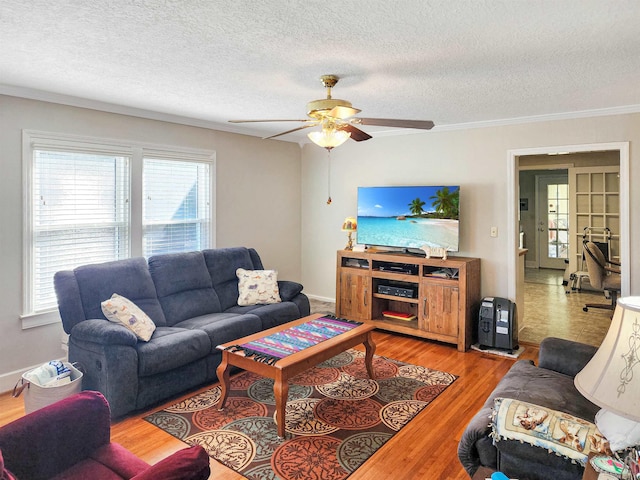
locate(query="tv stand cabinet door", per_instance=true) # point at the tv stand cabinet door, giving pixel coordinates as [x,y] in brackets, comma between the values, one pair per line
[438,308]
[354,294]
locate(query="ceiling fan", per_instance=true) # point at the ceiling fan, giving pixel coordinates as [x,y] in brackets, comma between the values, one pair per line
[338,121]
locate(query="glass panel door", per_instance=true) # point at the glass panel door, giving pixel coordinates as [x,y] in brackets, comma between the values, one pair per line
[553,221]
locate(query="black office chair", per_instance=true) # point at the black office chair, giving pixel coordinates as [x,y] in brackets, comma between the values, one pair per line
[601,275]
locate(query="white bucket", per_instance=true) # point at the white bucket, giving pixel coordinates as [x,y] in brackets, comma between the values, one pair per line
[36,396]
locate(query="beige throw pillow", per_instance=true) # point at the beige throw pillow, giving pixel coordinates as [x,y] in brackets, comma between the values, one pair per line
[119,309]
[257,287]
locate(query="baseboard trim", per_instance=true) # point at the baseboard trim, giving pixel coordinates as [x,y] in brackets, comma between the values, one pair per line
[319,298]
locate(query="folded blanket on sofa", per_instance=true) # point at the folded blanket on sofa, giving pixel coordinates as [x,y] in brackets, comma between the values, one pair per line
[557,432]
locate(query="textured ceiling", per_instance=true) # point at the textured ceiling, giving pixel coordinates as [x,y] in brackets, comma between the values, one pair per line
[456,62]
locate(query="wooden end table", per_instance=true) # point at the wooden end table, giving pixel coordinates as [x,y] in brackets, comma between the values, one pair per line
[288,367]
[482,473]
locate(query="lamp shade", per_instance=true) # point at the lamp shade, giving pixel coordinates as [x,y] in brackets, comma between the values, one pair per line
[329,137]
[611,379]
[349,225]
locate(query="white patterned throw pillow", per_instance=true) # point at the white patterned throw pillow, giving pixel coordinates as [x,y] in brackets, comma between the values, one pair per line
[257,287]
[119,309]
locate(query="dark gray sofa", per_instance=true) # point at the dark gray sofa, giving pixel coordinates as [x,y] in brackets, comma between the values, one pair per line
[191,297]
[550,384]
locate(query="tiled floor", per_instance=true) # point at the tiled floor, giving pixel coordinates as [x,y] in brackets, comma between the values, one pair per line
[550,311]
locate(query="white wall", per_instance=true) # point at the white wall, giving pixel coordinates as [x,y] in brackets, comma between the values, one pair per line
[258,204]
[269,200]
[475,159]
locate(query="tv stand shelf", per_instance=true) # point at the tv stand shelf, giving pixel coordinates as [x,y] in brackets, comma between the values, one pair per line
[443,295]
[394,298]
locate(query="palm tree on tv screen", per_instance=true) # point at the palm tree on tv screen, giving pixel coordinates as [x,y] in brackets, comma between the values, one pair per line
[416,206]
[446,203]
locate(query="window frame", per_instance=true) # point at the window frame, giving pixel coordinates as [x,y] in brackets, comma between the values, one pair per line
[136,152]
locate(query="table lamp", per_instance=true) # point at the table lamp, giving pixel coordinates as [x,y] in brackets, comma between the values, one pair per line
[611,379]
[349,225]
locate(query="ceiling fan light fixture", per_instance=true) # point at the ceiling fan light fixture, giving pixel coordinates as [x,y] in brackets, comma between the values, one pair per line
[329,137]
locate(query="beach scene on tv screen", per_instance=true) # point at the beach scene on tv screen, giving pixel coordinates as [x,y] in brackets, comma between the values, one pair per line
[409,217]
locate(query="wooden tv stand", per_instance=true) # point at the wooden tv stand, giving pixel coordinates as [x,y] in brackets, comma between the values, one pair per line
[443,295]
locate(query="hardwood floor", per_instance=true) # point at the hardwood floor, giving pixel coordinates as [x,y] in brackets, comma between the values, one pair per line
[425,448]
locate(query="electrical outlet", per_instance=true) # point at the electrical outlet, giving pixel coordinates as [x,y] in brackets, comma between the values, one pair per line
[494,231]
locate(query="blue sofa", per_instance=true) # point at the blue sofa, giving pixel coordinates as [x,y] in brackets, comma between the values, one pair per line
[192,299]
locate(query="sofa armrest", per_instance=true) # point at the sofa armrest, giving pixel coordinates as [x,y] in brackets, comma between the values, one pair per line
[103,332]
[564,356]
[476,447]
[56,436]
[186,464]
[288,289]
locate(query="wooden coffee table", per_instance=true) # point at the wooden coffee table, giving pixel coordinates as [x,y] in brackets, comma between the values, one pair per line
[483,473]
[288,367]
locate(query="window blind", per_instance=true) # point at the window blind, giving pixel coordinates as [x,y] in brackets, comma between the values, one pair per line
[80,214]
[176,206]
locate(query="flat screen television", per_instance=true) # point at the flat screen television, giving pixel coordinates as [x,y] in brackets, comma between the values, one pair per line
[409,217]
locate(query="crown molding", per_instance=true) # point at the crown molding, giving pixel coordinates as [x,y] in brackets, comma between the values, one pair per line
[70,100]
[600,112]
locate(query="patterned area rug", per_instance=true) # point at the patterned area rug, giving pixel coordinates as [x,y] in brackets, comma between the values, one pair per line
[336,417]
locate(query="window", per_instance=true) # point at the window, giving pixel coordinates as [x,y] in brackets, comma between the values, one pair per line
[93,200]
[80,215]
[176,201]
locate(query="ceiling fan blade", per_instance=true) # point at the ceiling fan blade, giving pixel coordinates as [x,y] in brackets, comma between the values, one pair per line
[390,122]
[256,121]
[342,112]
[291,131]
[356,134]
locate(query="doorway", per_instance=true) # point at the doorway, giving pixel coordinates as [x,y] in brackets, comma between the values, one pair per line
[547,162]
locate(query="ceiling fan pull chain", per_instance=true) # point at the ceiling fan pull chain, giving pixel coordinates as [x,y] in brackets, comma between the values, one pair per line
[329,176]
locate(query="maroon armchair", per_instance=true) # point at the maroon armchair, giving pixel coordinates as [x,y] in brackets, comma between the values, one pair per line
[71,439]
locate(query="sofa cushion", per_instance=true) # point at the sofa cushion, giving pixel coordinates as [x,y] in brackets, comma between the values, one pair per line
[223,327]
[222,264]
[120,460]
[554,431]
[527,382]
[129,278]
[121,310]
[171,348]
[111,461]
[257,287]
[270,315]
[183,285]
[88,469]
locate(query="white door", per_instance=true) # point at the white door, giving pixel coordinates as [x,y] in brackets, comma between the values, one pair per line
[595,206]
[552,220]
